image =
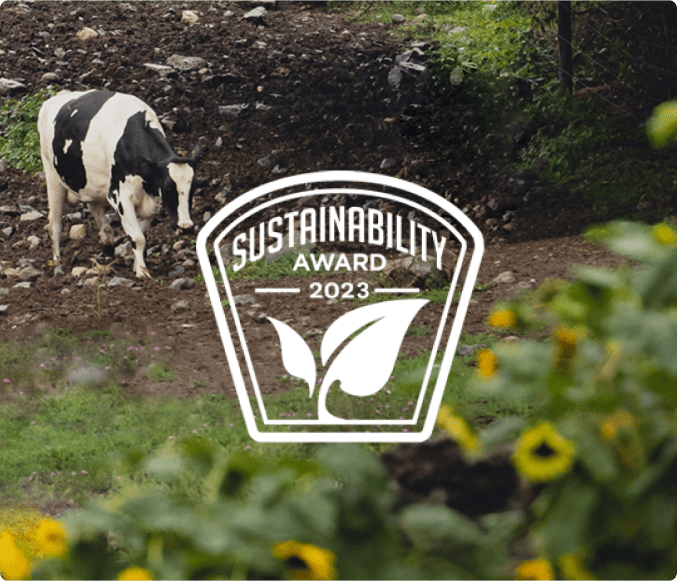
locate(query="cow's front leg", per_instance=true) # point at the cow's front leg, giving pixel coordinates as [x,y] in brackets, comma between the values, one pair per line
[130,223]
[56,195]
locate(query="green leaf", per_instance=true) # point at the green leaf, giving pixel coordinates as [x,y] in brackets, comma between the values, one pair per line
[432,525]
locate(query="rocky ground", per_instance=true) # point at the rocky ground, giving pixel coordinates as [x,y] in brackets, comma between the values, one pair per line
[294,88]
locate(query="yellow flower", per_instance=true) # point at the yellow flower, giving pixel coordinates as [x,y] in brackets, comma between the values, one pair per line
[566,347]
[572,568]
[542,454]
[535,569]
[457,429]
[13,563]
[619,419]
[305,561]
[135,574]
[503,319]
[487,364]
[50,538]
[664,234]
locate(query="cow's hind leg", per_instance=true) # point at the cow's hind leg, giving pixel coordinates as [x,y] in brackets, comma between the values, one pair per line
[132,227]
[105,229]
[56,197]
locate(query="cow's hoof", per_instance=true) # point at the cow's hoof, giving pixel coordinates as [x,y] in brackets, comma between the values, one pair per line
[143,274]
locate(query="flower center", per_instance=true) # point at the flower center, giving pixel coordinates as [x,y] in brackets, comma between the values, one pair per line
[296,563]
[544,451]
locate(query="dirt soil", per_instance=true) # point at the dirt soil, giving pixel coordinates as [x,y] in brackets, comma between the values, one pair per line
[317,95]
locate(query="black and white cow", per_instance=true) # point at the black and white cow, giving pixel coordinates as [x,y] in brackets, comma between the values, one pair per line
[109,148]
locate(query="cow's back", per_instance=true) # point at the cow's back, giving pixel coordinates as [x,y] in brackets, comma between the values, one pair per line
[80,131]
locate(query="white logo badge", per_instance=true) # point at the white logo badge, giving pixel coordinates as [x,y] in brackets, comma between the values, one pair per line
[379,270]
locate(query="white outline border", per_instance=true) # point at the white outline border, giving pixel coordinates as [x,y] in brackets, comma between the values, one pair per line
[454,335]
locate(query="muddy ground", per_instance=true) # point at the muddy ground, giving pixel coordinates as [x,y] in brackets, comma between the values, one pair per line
[311,92]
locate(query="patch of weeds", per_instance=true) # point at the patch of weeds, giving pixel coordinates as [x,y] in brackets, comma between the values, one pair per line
[419,331]
[20,142]
[158,371]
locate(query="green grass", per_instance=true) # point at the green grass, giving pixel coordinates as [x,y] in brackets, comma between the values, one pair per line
[68,434]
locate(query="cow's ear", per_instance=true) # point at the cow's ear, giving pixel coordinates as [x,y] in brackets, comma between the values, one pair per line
[196,154]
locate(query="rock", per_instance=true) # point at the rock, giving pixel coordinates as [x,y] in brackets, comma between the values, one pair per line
[244,299]
[65,291]
[388,163]
[176,271]
[90,282]
[59,53]
[164,70]
[4,309]
[34,241]
[268,162]
[506,277]
[125,251]
[188,17]
[12,272]
[3,166]
[120,281]
[189,263]
[233,110]
[10,87]
[4,292]
[178,245]
[77,232]
[500,204]
[398,19]
[182,283]
[23,285]
[78,271]
[86,34]
[74,216]
[415,272]
[50,77]
[30,216]
[226,253]
[206,217]
[10,210]
[395,76]
[29,273]
[256,15]
[180,305]
[466,350]
[185,63]
[8,231]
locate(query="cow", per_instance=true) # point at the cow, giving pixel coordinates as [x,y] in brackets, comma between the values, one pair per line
[102,147]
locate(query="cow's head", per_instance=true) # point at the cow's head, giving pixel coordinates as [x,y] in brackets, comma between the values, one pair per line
[177,188]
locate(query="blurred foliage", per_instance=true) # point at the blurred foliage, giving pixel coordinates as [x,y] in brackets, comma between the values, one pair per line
[604,446]
[20,142]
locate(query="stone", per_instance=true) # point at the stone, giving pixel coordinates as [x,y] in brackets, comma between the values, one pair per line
[74,216]
[29,273]
[86,33]
[189,17]
[78,271]
[466,350]
[23,285]
[10,210]
[244,299]
[182,283]
[4,292]
[233,110]
[31,216]
[8,231]
[11,87]
[388,163]
[163,70]
[65,291]
[268,162]
[90,282]
[4,309]
[120,281]
[125,250]
[506,277]
[34,241]
[256,15]
[77,232]
[180,305]
[398,19]
[185,63]
[50,77]
[176,271]
[178,245]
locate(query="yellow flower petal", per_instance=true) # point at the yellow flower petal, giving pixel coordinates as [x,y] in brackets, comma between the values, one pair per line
[13,563]
[535,569]
[135,574]
[306,561]
[542,454]
[619,419]
[50,538]
[457,428]
[503,319]
[664,234]
[487,364]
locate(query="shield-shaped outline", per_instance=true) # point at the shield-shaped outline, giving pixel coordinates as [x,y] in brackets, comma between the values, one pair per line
[454,335]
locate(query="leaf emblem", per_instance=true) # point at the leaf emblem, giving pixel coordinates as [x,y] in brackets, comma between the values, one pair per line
[296,355]
[364,365]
